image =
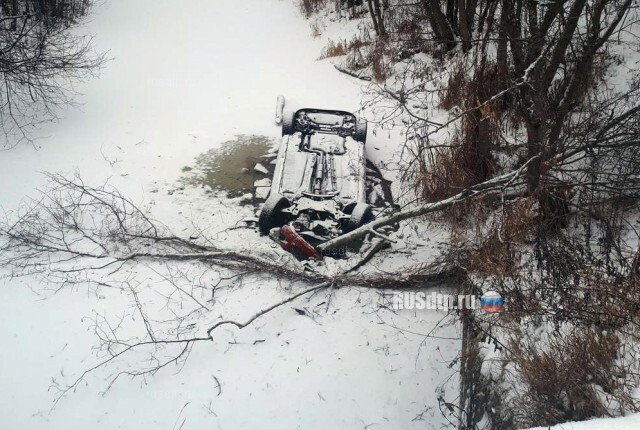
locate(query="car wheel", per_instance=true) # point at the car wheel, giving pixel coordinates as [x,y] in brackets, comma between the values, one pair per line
[288,123]
[360,133]
[272,215]
[361,215]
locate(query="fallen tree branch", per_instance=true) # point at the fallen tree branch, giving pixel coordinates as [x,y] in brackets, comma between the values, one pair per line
[382,236]
[267,310]
[376,245]
[492,185]
[81,235]
[352,74]
[185,344]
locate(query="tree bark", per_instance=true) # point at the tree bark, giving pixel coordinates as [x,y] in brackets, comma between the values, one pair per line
[373,18]
[464,25]
[380,18]
[502,53]
[439,23]
[558,53]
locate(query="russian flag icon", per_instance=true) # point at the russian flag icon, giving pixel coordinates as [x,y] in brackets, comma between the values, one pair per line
[491,302]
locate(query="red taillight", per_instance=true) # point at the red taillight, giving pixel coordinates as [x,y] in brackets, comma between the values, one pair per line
[293,240]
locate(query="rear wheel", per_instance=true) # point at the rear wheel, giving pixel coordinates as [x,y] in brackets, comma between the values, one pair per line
[361,215]
[288,123]
[272,215]
[360,133]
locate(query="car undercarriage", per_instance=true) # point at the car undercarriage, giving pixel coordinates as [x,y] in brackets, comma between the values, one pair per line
[318,188]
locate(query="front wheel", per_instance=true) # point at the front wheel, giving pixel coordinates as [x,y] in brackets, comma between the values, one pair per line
[272,214]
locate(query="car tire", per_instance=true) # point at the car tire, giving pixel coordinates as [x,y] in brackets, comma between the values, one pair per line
[288,123]
[360,133]
[272,215]
[361,215]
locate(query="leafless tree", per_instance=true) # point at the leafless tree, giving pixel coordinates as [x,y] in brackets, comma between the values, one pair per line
[40,59]
[525,93]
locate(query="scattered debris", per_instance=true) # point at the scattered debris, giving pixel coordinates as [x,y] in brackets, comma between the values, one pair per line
[260,168]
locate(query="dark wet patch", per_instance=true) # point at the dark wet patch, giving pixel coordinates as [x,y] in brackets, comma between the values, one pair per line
[231,168]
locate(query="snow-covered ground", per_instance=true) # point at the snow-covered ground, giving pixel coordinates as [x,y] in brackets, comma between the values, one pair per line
[631,422]
[186,76]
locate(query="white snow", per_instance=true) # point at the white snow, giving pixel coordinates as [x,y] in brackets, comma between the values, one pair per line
[186,76]
[260,168]
[631,422]
[264,182]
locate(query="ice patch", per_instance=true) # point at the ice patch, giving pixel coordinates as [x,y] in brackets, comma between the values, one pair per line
[266,182]
[260,168]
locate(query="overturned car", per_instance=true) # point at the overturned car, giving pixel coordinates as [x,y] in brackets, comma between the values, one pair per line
[318,188]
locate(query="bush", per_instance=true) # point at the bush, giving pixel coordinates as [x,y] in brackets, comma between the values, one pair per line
[309,7]
[333,49]
[569,380]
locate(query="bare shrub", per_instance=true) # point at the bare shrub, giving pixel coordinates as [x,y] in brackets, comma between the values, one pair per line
[41,60]
[448,174]
[334,49]
[410,34]
[309,7]
[445,176]
[462,163]
[455,91]
[498,253]
[467,159]
[359,41]
[357,51]
[356,13]
[467,88]
[569,378]
[381,67]
[494,257]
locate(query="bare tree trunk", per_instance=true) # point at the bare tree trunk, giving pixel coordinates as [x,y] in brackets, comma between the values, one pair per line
[451,14]
[470,374]
[558,53]
[482,147]
[432,21]
[571,92]
[534,149]
[380,18]
[514,33]
[439,23]
[376,28]
[501,54]
[464,25]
